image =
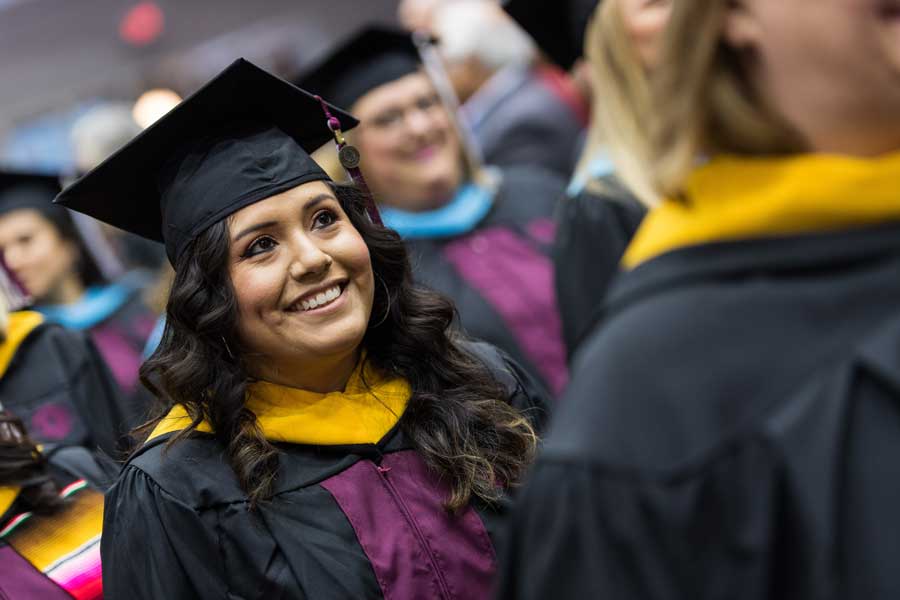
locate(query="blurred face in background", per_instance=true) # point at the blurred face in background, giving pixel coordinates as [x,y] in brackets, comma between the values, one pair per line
[830,68]
[645,21]
[411,155]
[40,257]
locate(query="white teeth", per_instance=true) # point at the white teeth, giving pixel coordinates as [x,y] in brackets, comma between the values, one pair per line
[322,298]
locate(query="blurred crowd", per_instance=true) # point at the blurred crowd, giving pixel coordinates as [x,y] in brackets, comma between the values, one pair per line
[664,241]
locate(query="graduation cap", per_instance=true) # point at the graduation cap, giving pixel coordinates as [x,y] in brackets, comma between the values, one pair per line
[373,56]
[20,189]
[243,137]
[557,26]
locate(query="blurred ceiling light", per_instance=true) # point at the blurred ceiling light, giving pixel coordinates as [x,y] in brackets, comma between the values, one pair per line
[153,104]
[142,24]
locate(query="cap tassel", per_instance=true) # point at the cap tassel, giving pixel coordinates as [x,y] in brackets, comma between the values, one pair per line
[349,157]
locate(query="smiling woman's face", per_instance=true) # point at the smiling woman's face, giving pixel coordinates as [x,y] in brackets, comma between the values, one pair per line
[411,155]
[303,281]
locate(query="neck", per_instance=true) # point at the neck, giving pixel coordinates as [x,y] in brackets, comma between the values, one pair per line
[859,146]
[68,291]
[875,135]
[431,196]
[323,377]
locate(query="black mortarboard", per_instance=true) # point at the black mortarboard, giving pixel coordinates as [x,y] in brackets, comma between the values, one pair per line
[244,136]
[369,58]
[557,26]
[19,189]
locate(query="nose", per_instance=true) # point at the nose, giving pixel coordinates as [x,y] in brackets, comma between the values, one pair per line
[418,123]
[309,260]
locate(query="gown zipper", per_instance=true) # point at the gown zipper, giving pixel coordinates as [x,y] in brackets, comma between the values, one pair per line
[395,494]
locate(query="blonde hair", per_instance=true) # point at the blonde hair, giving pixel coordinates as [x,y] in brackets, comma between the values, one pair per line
[621,99]
[697,101]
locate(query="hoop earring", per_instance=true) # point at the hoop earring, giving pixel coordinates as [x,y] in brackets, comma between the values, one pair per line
[390,302]
[227,349]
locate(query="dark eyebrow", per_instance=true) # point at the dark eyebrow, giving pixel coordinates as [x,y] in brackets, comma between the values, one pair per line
[317,199]
[253,228]
[311,203]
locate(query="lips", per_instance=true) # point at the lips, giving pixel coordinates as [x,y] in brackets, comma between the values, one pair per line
[426,152]
[318,298]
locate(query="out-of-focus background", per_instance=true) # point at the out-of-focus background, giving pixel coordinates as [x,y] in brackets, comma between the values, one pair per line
[65,58]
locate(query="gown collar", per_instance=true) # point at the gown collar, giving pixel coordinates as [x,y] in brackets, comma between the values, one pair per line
[462,214]
[21,324]
[96,305]
[363,413]
[733,198]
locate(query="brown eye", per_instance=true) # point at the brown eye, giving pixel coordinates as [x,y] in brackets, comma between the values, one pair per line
[259,245]
[324,219]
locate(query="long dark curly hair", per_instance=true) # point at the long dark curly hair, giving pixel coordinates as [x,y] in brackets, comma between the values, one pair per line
[458,417]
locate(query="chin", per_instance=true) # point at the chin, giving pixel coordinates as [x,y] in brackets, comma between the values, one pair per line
[337,343]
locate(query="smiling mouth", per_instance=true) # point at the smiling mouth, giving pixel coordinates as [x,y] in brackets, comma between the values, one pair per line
[319,299]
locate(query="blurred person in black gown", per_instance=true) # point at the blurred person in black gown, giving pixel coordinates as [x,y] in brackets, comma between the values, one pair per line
[520,109]
[481,236]
[599,215]
[55,380]
[732,426]
[54,255]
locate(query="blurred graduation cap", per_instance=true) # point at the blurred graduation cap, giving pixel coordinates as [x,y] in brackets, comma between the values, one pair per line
[371,57]
[376,55]
[20,189]
[244,136]
[557,26]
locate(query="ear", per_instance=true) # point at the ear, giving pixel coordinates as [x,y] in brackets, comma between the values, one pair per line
[741,28]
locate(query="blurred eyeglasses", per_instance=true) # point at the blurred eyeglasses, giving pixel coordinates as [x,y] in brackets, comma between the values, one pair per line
[394,118]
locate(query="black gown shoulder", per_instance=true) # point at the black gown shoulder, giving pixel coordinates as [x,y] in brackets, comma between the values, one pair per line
[60,387]
[177,524]
[594,229]
[729,432]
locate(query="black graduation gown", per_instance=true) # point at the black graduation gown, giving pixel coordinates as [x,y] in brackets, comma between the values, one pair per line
[500,274]
[730,431]
[594,228]
[344,522]
[60,387]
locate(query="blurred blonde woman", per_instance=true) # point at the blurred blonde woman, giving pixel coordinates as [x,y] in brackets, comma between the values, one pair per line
[730,430]
[606,202]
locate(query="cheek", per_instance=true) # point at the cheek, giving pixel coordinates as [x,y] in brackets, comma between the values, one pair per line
[255,290]
[377,146]
[378,157]
[52,255]
[354,257]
